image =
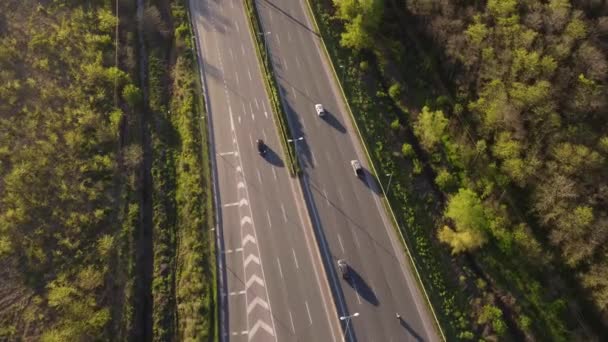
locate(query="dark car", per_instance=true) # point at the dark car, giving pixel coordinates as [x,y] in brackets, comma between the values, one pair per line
[343,267]
[262,148]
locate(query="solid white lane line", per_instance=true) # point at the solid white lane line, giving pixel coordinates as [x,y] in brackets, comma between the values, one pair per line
[308,310]
[268,217]
[340,241]
[283,210]
[274,173]
[259,176]
[280,269]
[293,328]
[226,153]
[236,293]
[295,259]
[233,204]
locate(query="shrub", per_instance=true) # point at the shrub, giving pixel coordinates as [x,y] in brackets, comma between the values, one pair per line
[445,181]
[395,91]
[395,125]
[364,66]
[407,150]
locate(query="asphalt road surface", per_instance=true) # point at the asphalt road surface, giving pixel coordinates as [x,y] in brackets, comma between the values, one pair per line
[273,283]
[346,210]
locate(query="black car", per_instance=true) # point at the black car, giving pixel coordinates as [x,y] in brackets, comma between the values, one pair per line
[262,148]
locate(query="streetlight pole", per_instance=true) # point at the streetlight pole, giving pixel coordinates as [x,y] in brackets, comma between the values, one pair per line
[347,319]
[389,181]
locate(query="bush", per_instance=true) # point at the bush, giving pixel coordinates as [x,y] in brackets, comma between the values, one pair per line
[395,125]
[445,181]
[364,66]
[407,150]
[395,91]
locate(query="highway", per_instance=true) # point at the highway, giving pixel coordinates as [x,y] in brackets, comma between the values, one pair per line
[346,211]
[273,285]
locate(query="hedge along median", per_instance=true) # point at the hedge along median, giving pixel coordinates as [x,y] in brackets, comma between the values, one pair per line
[272,88]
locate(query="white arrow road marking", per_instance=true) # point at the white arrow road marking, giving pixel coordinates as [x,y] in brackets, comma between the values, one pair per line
[248,238]
[257,326]
[257,301]
[240,185]
[251,258]
[245,219]
[243,202]
[254,279]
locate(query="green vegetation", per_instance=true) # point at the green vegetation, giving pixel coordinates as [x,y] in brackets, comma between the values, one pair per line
[503,103]
[72,190]
[182,287]
[272,88]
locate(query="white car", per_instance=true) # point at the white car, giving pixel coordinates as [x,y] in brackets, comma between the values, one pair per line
[320,110]
[357,167]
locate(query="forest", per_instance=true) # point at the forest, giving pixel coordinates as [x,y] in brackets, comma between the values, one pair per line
[103,229]
[498,113]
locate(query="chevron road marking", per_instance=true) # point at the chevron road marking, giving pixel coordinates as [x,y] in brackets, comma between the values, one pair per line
[257,301]
[257,326]
[256,279]
[245,219]
[251,258]
[248,238]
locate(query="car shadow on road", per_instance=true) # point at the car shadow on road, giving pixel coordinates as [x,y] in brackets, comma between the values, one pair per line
[331,119]
[410,330]
[358,284]
[369,179]
[273,158]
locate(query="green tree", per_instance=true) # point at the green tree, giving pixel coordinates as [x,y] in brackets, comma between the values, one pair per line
[471,224]
[430,127]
